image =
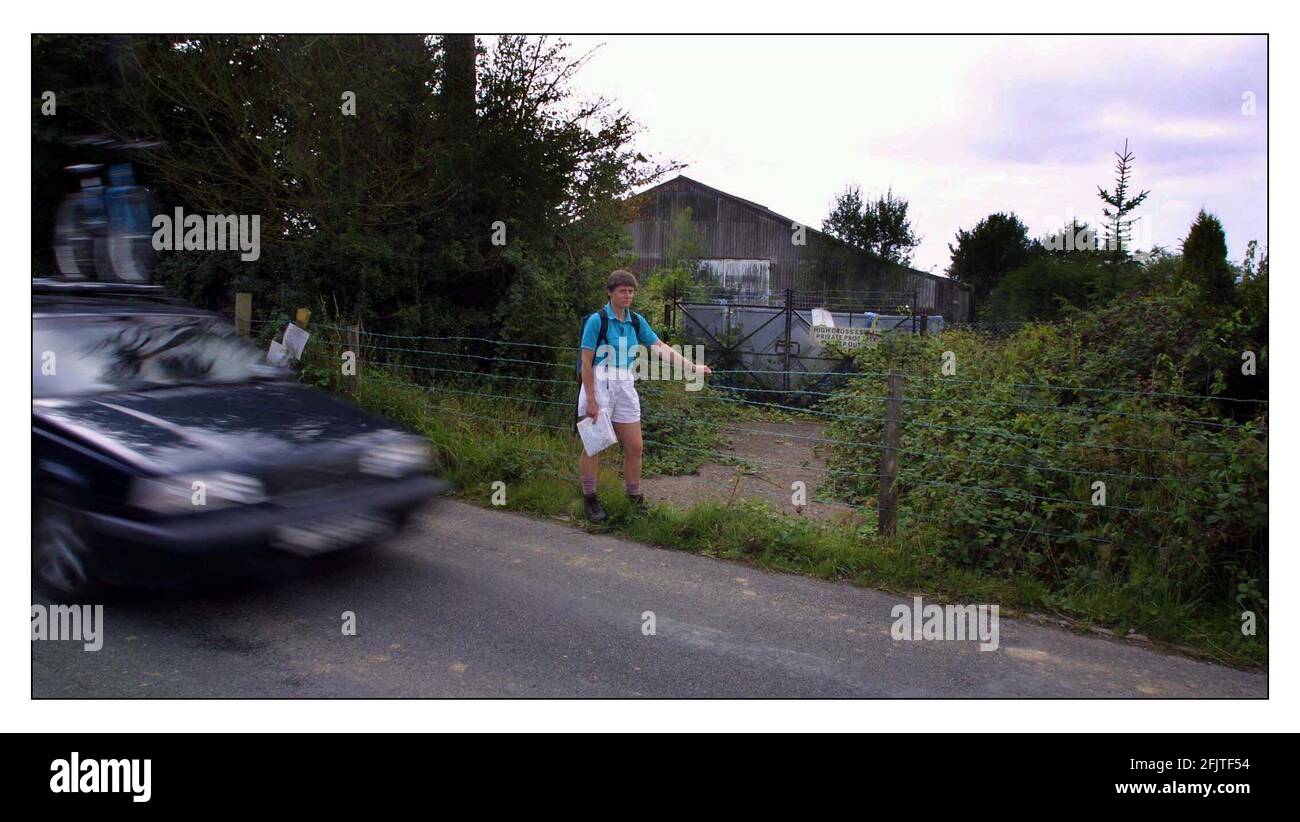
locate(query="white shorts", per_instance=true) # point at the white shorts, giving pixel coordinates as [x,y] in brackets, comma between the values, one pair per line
[617,396]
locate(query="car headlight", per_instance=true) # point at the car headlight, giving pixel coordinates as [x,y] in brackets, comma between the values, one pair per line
[196,492]
[395,459]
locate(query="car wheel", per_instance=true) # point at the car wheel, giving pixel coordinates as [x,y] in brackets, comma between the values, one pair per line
[60,553]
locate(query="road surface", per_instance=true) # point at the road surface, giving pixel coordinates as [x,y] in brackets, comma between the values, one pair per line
[471,602]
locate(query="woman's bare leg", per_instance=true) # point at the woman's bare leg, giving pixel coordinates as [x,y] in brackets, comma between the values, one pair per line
[588,467]
[629,436]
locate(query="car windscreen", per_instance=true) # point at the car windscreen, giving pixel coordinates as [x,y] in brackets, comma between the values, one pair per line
[78,355]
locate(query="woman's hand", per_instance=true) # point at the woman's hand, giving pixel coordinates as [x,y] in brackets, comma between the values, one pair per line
[593,410]
[704,369]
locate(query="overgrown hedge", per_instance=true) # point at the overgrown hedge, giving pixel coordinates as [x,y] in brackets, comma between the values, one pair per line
[1005,465]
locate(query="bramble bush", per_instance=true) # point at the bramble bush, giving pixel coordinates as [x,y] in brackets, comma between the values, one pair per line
[1003,454]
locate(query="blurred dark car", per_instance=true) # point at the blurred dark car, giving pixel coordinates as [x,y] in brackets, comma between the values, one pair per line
[167,452]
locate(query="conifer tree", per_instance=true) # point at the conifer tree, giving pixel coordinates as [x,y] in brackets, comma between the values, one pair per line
[1118,229]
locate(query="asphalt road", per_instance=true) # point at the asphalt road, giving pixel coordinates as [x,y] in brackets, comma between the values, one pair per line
[471,602]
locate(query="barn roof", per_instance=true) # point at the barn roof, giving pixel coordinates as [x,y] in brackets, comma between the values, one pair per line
[764,211]
[757,207]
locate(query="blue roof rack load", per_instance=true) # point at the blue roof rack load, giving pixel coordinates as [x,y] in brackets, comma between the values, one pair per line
[103,232]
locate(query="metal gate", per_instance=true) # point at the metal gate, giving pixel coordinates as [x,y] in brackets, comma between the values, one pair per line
[772,346]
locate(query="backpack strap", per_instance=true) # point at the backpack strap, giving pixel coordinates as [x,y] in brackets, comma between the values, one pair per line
[602,338]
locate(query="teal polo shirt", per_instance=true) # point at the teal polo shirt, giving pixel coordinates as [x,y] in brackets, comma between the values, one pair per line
[618,331]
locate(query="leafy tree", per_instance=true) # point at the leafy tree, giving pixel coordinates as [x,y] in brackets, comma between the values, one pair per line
[471,190]
[1041,289]
[1205,258]
[983,255]
[1068,270]
[1253,294]
[1119,205]
[846,220]
[1160,269]
[1074,239]
[687,245]
[880,226]
[681,276]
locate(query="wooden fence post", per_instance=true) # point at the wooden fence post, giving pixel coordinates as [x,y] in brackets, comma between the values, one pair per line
[244,313]
[888,499]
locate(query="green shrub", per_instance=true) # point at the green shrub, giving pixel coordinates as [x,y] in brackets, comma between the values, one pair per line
[1001,456]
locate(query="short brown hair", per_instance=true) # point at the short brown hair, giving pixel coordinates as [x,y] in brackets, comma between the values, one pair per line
[620,276]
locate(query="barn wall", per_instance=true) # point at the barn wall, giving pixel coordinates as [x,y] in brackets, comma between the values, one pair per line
[736,229]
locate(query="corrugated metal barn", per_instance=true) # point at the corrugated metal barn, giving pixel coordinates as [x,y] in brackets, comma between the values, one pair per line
[753,256]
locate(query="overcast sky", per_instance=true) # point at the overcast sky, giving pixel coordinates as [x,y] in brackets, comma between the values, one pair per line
[959,126]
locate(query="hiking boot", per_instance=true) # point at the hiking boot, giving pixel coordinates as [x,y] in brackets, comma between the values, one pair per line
[639,505]
[591,505]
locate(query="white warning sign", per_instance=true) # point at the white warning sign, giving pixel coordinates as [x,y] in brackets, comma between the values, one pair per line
[845,338]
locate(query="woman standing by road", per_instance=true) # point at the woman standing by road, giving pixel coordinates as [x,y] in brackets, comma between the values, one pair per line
[611,341]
